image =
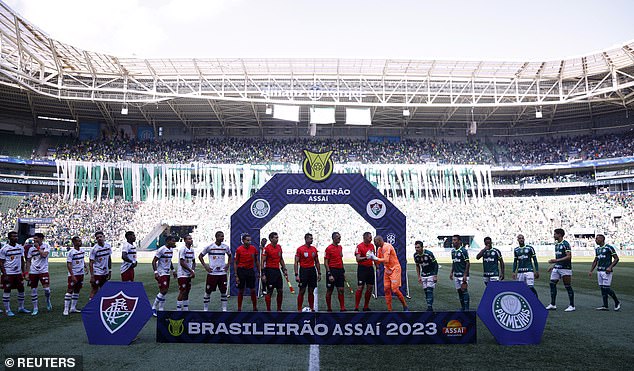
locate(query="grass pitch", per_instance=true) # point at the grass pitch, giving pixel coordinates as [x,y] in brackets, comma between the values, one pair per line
[585,339]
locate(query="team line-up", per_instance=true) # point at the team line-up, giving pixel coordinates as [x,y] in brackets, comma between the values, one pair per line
[31,266]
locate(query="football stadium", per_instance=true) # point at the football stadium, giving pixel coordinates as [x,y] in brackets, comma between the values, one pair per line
[314,213]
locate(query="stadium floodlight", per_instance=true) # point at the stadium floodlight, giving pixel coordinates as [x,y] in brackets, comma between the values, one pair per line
[269,109]
[55,119]
[322,115]
[538,113]
[288,113]
[406,112]
[358,116]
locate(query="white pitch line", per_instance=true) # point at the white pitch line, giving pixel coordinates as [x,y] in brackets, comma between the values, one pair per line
[313,360]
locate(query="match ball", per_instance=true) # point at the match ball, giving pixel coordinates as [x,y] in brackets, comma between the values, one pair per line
[306,309]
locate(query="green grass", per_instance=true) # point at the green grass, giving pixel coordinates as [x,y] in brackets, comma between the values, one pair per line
[585,339]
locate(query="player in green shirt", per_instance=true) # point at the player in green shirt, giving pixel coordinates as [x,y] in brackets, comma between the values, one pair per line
[604,261]
[524,258]
[491,257]
[562,268]
[460,271]
[427,272]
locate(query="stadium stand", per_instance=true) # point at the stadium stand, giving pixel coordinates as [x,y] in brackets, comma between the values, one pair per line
[237,150]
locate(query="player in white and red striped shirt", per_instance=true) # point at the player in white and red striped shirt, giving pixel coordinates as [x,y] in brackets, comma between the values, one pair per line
[76,265]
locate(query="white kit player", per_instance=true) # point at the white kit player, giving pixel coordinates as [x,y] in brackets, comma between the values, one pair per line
[162,265]
[216,269]
[186,268]
[76,265]
[12,267]
[37,266]
[128,257]
[100,263]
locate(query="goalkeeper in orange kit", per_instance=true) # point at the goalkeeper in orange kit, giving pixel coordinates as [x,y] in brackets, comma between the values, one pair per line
[392,274]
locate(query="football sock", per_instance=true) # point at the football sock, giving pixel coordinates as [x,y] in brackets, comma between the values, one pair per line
[604,296]
[466,300]
[368,295]
[553,292]
[357,298]
[206,300]
[388,299]
[67,298]
[279,298]
[571,295]
[254,300]
[34,298]
[267,299]
[161,301]
[6,300]
[300,301]
[179,305]
[20,300]
[223,301]
[73,303]
[240,298]
[612,294]
[311,300]
[429,296]
[401,298]
[47,293]
[341,298]
[329,300]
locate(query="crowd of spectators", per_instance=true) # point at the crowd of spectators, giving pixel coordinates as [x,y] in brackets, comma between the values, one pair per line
[261,151]
[543,179]
[407,151]
[553,150]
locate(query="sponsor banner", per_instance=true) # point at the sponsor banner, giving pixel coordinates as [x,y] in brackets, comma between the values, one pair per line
[28,181]
[15,160]
[63,252]
[35,220]
[512,312]
[390,328]
[116,315]
[568,165]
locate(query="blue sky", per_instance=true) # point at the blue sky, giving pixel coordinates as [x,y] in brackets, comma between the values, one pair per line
[465,30]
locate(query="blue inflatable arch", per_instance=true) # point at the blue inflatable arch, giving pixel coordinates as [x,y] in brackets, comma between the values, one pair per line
[351,189]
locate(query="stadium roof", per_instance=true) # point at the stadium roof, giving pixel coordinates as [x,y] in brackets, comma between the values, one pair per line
[40,76]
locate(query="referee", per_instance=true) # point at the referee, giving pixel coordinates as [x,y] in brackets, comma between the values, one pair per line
[307,261]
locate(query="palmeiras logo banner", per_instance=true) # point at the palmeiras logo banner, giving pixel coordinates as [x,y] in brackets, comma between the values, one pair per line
[317,166]
[117,310]
[390,328]
[512,312]
[116,315]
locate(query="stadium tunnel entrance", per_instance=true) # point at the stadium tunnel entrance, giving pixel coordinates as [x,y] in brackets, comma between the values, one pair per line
[351,189]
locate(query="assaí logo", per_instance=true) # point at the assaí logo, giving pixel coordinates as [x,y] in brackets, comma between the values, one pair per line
[454,328]
[317,166]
